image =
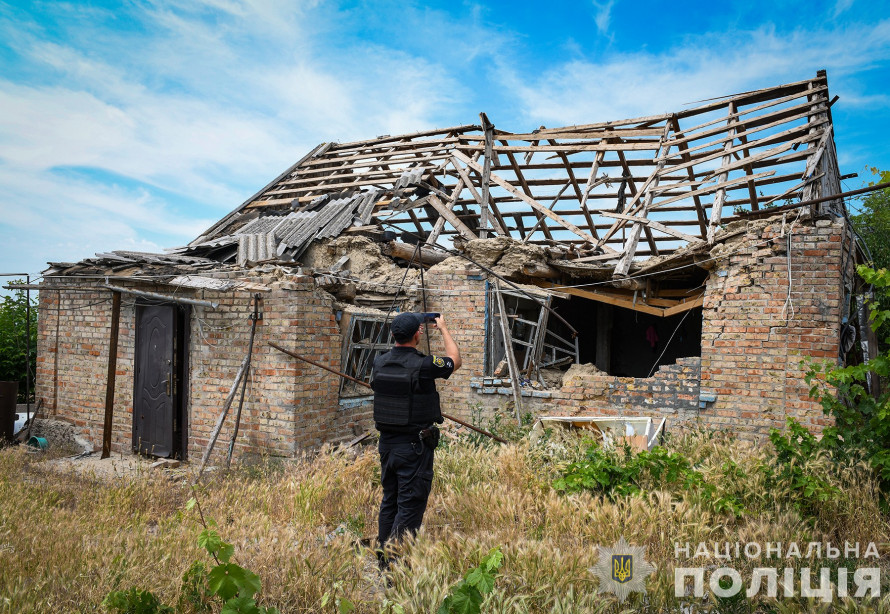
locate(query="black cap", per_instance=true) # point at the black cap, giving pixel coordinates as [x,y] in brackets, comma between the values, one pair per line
[404,326]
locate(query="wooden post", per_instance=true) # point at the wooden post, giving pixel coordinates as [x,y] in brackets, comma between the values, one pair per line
[242,372]
[112,371]
[488,128]
[508,347]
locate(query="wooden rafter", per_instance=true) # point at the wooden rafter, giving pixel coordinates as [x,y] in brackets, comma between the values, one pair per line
[737,151]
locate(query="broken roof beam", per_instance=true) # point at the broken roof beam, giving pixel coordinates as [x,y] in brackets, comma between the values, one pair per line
[793,90]
[319,150]
[764,121]
[717,206]
[452,218]
[699,208]
[652,224]
[527,199]
[413,135]
[630,246]
[463,181]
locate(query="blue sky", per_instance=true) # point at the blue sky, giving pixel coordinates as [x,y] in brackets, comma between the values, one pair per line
[135,125]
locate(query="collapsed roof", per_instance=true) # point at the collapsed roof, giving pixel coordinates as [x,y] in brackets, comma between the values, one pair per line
[597,201]
[611,193]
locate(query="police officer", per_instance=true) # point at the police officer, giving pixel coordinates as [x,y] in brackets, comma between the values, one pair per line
[406,408]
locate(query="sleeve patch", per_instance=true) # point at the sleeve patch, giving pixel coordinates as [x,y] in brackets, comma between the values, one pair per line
[438,361]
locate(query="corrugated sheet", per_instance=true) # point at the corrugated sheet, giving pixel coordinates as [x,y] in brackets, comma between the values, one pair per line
[256,247]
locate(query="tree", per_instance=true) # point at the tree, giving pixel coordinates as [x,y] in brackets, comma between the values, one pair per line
[862,423]
[872,223]
[13,340]
[872,220]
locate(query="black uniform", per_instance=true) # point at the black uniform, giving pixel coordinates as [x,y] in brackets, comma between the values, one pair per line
[406,406]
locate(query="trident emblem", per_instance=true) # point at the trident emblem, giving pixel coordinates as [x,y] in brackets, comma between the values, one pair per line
[622,567]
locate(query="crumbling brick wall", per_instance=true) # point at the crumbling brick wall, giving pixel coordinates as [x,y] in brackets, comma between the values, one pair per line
[747,379]
[289,406]
[750,354]
[755,334]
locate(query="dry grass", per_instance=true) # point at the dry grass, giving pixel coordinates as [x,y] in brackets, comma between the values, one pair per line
[67,540]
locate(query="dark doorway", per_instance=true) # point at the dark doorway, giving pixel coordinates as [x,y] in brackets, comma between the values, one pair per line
[159,425]
[637,343]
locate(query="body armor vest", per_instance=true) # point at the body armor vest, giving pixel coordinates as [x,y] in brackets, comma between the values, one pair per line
[400,396]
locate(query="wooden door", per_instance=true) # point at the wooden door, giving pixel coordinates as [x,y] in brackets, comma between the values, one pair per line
[154,397]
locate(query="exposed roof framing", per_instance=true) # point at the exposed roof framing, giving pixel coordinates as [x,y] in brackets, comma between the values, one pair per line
[622,190]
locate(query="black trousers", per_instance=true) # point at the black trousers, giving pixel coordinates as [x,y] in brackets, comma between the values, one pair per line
[406,472]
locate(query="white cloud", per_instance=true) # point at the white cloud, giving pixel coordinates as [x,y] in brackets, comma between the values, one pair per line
[603,16]
[643,83]
[842,6]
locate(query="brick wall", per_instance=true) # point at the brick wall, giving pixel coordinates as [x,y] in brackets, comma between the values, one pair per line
[289,405]
[750,360]
[749,363]
[752,345]
[460,297]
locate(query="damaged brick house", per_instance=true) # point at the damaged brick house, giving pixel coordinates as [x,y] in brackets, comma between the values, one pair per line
[654,266]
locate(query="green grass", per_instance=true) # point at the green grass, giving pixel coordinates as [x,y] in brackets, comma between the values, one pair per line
[66,541]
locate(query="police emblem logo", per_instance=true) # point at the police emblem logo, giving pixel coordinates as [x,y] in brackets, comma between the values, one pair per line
[438,361]
[622,567]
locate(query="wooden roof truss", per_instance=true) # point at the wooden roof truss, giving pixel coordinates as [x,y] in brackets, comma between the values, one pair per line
[613,191]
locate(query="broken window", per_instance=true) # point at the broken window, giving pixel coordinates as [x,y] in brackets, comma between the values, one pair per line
[631,343]
[622,334]
[364,339]
[536,344]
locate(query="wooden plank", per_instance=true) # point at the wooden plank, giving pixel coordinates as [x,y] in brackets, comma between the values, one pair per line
[527,190]
[632,146]
[785,146]
[405,154]
[559,133]
[652,224]
[606,298]
[403,137]
[393,173]
[452,219]
[792,189]
[785,116]
[527,199]
[455,193]
[633,238]
[713,188]
[508,350]
[606,125]
[565,161]
[795,90]
[541,218]
[820,149]
[699,208]
[717,207]
[210,232]
[698,302]
[488,128]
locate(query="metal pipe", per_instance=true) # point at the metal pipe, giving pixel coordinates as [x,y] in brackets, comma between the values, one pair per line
[28,347]
[366,385]
[814,201]
[255,316]
[162,297]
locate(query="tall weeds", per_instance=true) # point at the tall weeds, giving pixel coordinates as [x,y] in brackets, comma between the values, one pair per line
[67,540]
